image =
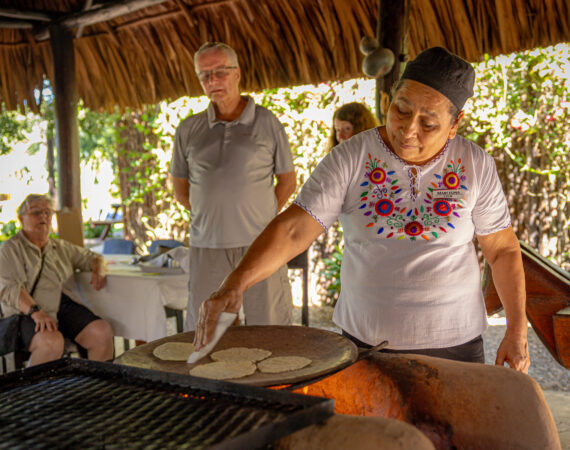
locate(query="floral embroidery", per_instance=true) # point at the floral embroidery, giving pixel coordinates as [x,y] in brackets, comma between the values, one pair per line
[451,180]
[389,215]
[442,208]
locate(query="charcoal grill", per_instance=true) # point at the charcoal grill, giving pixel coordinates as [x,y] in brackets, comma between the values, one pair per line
[73,403]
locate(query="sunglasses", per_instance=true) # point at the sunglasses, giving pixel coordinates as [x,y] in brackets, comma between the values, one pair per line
[217,74]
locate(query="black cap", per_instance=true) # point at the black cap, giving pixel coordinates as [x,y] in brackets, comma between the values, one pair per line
[443,71]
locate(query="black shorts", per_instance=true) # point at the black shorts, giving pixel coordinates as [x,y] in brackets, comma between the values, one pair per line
[472,351]
[72,318]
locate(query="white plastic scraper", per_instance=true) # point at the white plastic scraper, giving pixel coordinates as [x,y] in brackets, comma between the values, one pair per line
[224,321]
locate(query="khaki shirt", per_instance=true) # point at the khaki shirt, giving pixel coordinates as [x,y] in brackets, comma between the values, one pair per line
[20,263]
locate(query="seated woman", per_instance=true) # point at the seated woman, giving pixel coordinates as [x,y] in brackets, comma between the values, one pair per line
[34,269]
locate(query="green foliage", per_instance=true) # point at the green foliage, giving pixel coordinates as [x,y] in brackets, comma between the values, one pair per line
[519,114]
[14,128]
[331,273]
[9,229]
[144,151]
[523,99]
[92,232]
[98,136]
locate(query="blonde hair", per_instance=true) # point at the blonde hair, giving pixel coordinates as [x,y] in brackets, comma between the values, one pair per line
[359,116]
[25,205]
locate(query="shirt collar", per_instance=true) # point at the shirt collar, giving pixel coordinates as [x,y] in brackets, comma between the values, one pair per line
[26,241]
[246,118]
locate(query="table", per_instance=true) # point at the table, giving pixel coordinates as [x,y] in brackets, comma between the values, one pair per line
[133,301]
[109,221]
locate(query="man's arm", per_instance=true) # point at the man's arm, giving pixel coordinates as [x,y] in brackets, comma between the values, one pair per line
[502,252]
[182,191]
[286,236]
[285,186]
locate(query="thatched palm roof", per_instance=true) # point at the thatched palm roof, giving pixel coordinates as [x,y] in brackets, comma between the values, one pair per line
[147,55]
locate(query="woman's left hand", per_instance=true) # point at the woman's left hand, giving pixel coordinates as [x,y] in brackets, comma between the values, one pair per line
[98,280]
[514,351]
[99,273]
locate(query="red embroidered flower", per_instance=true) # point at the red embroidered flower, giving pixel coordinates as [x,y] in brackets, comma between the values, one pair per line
[413,228]
[442,208]
[384,207]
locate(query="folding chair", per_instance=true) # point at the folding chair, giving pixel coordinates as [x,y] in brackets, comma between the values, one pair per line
[118,247]
[167,243]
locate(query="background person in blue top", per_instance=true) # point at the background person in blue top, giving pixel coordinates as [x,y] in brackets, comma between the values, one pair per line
[224,163]
[411,195]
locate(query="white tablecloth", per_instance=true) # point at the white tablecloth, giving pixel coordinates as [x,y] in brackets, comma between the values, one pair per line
[133,301]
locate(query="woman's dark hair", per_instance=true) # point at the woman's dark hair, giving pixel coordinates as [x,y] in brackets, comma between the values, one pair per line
[360,117]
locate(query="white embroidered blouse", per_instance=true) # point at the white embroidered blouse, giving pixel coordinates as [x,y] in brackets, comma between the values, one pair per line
[409,271]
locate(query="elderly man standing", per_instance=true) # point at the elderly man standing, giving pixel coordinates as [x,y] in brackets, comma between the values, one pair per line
[223,169]
[34,274]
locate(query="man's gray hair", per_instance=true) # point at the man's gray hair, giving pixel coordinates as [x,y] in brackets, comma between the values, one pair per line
[217,47]
[25,206]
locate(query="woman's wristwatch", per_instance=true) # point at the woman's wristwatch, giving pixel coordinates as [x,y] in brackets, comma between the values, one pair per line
[33,309]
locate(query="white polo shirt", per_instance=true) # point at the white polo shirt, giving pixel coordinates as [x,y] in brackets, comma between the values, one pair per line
[409,272]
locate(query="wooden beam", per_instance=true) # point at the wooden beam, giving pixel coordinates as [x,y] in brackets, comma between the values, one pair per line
[25,15]
[88,5]
[16,24]
[391,33]
[66,125]
[105,13]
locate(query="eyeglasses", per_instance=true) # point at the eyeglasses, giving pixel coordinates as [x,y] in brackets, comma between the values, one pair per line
[217,74]
[39,211]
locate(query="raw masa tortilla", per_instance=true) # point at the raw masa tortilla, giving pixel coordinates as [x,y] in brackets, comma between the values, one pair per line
[174,351]
[224,370]
[241,354]
[279,364]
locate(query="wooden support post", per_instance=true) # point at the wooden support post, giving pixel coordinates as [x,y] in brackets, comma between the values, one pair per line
[67,130]
[391,33]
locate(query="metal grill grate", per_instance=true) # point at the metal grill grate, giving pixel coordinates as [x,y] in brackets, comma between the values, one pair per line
[83,404]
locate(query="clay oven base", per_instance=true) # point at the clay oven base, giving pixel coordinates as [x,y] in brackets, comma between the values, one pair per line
[341,432]
[454,404]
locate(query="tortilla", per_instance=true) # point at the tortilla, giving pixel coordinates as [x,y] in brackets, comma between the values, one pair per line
[174,351]
[241,354]
[224,370]
[279,364]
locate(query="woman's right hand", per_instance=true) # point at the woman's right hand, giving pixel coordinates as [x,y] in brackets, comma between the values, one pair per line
[225,299]
[44,322]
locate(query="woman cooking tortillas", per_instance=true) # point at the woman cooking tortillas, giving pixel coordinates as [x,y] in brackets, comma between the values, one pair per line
[410,195]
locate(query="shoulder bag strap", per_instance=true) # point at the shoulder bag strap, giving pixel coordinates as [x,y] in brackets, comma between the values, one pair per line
[38,277]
